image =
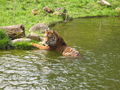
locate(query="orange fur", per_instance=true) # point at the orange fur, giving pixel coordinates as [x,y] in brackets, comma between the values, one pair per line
[41,46]
[59,46]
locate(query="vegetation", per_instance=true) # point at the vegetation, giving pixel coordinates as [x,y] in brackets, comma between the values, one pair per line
[5,43]
[4,40]
[23,45]
[20,12]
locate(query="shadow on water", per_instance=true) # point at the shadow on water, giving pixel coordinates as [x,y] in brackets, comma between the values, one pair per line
[97,39]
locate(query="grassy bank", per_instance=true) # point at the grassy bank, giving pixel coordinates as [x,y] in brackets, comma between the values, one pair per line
[14,12]
[19,11]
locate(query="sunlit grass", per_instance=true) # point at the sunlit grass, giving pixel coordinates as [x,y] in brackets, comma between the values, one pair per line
[23,45]
[14,12]
[19,11]
[4,40]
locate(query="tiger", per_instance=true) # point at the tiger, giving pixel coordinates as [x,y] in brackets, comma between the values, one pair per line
[53,41]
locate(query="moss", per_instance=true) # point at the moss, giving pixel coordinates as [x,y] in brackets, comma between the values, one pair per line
[23,45]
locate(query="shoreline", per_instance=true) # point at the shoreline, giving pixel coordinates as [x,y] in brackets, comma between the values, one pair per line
[58,22]
[20,12]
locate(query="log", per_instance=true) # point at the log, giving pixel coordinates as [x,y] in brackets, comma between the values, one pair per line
[14,31]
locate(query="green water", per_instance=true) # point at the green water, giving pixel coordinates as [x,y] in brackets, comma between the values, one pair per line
[97,39]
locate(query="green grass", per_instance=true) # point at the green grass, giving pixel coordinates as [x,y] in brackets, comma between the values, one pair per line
[14,12]
[4,40]
[23,45]
[5,43]
[19,11]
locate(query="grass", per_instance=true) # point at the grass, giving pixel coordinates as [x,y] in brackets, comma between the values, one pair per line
[19,11]
[5,43]
[14,12]
[23,45]
[4,40]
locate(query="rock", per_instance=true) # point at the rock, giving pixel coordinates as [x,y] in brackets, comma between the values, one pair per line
[14,31]
[37,30]
[58,11]
[35,12]
[63,13]
[39,27]
[104,2]
[48,10]
[34,36]
[21,40]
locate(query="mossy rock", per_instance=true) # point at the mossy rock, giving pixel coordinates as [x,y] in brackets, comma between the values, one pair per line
[6,43]
[23,45]
[21,40]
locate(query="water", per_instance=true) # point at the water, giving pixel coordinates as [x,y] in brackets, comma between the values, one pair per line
[97,39]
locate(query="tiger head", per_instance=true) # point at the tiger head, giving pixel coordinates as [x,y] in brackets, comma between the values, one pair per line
[52,38]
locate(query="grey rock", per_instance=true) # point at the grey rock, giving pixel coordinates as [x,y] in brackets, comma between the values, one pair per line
[14,31]
[21,40]
[36,30]
[104,2]
[34,36]
[39,27]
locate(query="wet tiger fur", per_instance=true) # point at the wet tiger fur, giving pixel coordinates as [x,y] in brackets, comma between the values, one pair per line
[53,41]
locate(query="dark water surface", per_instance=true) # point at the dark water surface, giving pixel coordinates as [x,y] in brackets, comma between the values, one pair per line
[98,40]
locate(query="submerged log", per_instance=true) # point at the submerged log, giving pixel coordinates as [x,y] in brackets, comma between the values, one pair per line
[14,31]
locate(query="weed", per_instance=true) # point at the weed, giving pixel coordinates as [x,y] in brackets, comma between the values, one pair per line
[4,40]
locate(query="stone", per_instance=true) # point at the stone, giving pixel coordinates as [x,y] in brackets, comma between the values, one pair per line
[34,36]
[36,31]
[35,12]
[14,31]
[104,2]
[39,27]
[21,40]
[48,10]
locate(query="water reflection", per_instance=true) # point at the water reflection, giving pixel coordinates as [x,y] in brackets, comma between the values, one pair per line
[97,39]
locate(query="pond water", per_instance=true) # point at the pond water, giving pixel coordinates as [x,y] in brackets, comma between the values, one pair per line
[97,39]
